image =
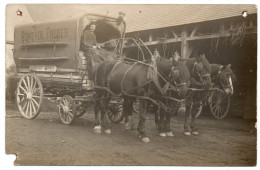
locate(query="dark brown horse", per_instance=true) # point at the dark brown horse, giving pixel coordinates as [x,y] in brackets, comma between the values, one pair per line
[200,71]
[131,80]
[223,77]
[163,122]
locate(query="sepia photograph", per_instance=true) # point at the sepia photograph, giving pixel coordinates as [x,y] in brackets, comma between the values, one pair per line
[131,84]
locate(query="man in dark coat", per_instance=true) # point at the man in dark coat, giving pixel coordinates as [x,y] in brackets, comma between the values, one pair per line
[88,42]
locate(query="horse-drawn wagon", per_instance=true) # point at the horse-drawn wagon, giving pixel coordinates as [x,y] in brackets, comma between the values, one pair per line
[51,64]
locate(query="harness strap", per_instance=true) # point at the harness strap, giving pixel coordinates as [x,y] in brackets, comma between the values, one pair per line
[126,74]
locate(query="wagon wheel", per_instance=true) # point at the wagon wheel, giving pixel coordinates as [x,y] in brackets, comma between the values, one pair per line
[67,110]
[29,96]
[115,112]
[219,105]
[197,109]
[136,107]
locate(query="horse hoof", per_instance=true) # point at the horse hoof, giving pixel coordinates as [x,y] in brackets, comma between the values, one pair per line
[170,134]
[97,129]
[187,133]
[162,134]
[195,133]
[107,131]
[145,140]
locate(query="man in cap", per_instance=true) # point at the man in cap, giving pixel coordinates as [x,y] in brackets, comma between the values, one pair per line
[88,42]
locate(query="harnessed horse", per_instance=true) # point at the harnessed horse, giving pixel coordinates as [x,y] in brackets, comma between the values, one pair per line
[200,70]
[130,81]
[223,77]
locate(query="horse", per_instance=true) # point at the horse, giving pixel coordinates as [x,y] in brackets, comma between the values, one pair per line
[200,71]
[163,123]
[130,80]
[223,77]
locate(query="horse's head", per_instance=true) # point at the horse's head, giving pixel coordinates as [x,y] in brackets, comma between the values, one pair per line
[226,78]
[177,74]
[180,78]
[201,72]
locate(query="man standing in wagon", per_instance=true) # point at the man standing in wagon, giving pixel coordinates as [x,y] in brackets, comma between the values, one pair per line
[88,42]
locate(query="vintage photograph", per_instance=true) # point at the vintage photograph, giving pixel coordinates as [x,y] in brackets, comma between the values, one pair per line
[131,85]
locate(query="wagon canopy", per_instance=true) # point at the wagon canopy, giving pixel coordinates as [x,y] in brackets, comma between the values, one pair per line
[59,41]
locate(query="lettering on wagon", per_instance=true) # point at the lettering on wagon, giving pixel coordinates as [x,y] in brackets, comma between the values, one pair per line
[48,34]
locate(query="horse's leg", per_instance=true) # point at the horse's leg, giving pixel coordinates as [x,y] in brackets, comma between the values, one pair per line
[194,129]
[187,120]
[97,103]
[128,109]
[104,105]
[154,110]
[161,127]
[167,124]
[141,124]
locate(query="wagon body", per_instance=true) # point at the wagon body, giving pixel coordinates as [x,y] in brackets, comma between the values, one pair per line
[51,64]
[51,50]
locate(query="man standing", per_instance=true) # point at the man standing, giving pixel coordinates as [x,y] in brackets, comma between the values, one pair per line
[88,42]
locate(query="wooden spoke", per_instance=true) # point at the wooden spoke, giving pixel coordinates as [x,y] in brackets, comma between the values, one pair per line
[32,83]
[28,82]
[22,100]
[33,106]
[35,102]
[22,89]
[35,90]
[26,87]
[36,96]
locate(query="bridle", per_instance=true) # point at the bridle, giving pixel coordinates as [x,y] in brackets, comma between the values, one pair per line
[194,71]
[217,78]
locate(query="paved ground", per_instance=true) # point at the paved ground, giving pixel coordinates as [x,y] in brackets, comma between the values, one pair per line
[46,141]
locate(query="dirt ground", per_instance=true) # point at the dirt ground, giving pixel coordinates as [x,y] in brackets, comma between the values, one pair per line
[46,141]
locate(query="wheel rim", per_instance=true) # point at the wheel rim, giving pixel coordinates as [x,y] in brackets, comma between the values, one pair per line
[29,96]
[115,114]
[67,110]
[136,106]
[219,105]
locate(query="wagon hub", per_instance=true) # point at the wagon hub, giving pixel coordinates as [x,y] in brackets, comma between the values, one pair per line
[66,109]
[29,95]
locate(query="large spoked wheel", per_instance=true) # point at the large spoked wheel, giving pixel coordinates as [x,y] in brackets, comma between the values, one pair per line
[67,110]
[136,106]
[115,112]
[219,105]
[29,96]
